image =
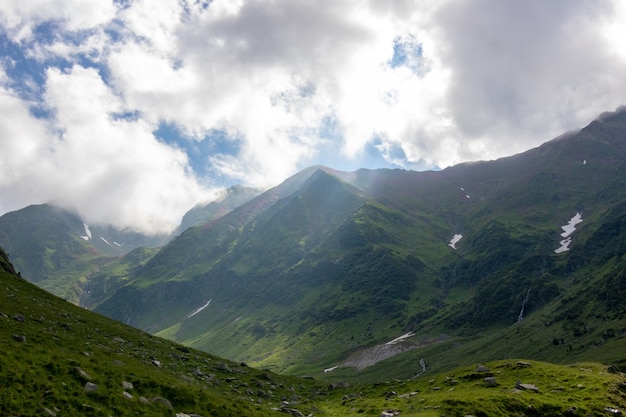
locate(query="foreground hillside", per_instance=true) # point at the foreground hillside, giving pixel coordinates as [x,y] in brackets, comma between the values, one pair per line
[59,359]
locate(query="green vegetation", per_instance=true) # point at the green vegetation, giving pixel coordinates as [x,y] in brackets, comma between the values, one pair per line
[59,359]
[325,269]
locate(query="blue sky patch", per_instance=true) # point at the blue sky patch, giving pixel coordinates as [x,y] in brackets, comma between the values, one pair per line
[409,53]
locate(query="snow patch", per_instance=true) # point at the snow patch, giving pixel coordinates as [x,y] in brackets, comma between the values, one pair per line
[327,370]
[467,196]
[117,244]
[400,338]
[105,241]
[568,229]
[200,309]
[455,240]
[87,235]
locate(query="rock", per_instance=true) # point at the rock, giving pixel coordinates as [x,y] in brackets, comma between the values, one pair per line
[572,411]
[82,374]
[49,412]
[389,395]
[223,366]
[482,368]
[90,388]
[156,363]
[19,338]
[19,317]
[612,369]
[163,401]
[144,400]
[127,395]
[292,412]
[491,381]
[613,411]
[127,385]
[526,387]
[522,364]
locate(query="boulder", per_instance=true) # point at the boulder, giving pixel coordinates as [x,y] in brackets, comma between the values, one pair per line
[90,388]
[482,368]
[491,381]
[80,373]
[163,401]
[612,369]
[526,387]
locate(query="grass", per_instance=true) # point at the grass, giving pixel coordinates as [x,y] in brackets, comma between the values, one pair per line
[51,349]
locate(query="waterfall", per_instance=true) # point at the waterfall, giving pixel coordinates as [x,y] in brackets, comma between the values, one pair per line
[521,313]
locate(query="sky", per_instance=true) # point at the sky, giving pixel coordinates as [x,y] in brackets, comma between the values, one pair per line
[130,112]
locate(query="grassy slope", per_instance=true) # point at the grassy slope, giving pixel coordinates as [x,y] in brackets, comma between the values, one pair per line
[45,341]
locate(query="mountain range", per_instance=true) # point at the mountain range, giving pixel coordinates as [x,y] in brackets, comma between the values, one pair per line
[364,273]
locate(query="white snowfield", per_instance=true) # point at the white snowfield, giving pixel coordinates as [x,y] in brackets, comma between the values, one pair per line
[455,240]
[568,229]
[87,232]
[200,309]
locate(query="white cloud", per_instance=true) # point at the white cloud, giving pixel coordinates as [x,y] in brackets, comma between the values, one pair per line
[427,84]
[108,167]
[20,17]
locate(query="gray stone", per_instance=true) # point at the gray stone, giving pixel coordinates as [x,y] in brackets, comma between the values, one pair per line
[90,388]
[482,368]
[526,387]
[19,338]
[127,395]
[144,400]
[223,366]
[163,401]
[127,385]
[292,412]
[491,381]
[79,372]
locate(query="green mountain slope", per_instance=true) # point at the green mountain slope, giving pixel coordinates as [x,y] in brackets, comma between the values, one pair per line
[233,197]
[59,359]
[55,249]
[329,264]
